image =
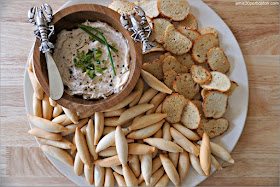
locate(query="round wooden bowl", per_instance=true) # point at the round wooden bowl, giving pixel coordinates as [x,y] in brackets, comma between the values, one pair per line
[69,18]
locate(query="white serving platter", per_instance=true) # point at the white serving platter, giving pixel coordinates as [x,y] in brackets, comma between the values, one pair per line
[238,102]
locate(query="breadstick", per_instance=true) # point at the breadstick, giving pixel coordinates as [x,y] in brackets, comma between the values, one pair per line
[89,174]
[98,126]
[120,180]
[99,175]
[113,121]
[146,167]
[140,149]
[72,128]
[137,117]
[163,181]
[158,134]
[148,95]
[163,144]
[134,164]
[30,63]
[184,142]
[156,164]
[109,178]
[183,165]
[110,151]
[57,110]
[47,108]
[170,170]
[129,177]
[82,148]
[215,164]
[45,124]
[73,116]
[78,165]
[52,102]
[205,154]
[139,87]
[154,82]
[166,131]
[191,135]
[37,106]
[134,111]
[44,134]
[63,143]
[124,102]
[147,120]
[62,120]
[114,113]
[174,157]
[156,102]
[58,153]
[109,161]
[159,109]
[36,86]
[146,132]
[156,176]
[108,140]
[121,145]
[118,169]
[220,152]
[107,130]
[90,139]
[196,164]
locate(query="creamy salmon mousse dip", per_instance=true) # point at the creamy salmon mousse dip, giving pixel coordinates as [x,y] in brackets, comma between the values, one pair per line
[84,61]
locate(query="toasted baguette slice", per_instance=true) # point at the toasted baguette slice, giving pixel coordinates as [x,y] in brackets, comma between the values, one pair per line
[213,127]
[175,42]
[169,77]
[150,22]
[206,30]
[150,7]
[192,34]
[217,60]
[233,86]
[189,22]
[121,6]
[160,25]
[215,104]
[154,82]
[191,116]
[173,105]
[219,82]
[185,59]
[171,63]
[198,103]
[155,68]
[185,85]
[200,75]
[157,48]
[202,45]
[175,10]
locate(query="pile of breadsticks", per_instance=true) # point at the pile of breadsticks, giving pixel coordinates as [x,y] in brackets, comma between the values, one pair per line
[150,151]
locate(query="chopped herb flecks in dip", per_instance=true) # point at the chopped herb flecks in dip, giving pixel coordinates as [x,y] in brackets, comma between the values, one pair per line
[84,63]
